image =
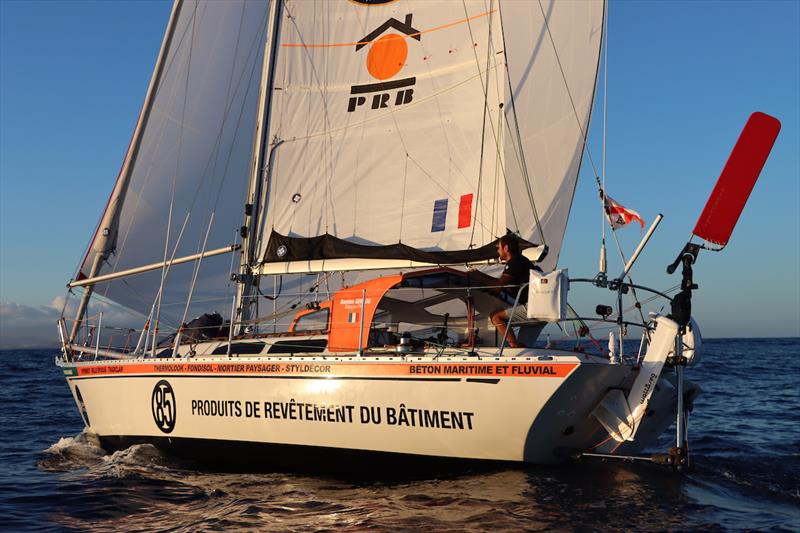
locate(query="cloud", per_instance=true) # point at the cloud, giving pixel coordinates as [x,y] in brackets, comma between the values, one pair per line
[23,326]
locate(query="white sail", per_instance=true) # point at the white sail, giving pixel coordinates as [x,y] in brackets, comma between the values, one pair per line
[192,162]
[393,133]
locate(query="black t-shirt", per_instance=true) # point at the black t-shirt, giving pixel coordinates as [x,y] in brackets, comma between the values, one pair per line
[519,267]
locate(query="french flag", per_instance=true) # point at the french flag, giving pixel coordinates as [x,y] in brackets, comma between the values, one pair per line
[440,213]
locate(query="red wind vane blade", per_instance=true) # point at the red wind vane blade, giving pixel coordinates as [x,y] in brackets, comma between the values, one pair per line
[734,185]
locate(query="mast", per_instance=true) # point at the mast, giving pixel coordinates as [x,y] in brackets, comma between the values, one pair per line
[105,238]
[247,279]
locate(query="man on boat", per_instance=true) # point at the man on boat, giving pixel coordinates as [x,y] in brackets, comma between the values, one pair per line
[516,273]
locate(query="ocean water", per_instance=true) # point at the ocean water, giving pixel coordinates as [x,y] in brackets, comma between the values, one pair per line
[745,473]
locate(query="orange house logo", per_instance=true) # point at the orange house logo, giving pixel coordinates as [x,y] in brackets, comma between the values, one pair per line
[385,59]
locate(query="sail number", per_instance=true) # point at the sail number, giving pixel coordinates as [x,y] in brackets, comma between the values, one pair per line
[163,405]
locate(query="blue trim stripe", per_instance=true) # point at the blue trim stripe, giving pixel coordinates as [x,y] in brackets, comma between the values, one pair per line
[439,215]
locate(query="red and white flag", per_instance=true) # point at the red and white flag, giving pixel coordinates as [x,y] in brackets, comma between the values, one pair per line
[618,215]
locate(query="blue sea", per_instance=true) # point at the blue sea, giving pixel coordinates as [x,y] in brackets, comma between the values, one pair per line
[745,471]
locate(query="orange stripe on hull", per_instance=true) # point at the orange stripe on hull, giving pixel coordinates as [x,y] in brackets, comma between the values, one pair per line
[525,370]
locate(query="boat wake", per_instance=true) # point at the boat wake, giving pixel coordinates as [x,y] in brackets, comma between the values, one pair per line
[149,490]
[71,453]
[83,452]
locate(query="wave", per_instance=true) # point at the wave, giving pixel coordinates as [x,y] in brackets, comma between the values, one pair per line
[71,453]
[83,452]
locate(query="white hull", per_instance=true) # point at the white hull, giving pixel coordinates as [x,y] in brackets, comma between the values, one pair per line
[527,407]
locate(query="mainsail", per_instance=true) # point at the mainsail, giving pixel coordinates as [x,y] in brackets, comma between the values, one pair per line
[424,130]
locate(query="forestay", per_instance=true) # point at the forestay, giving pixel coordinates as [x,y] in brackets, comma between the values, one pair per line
[404,128]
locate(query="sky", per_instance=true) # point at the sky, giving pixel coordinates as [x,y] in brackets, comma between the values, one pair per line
[683,79]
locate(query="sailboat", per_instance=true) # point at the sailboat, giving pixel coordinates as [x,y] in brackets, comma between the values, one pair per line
[322,184]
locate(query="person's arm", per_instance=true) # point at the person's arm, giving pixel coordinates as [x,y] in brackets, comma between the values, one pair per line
[504,279]
[476,277]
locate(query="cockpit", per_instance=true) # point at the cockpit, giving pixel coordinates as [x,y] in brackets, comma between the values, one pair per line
[411,312]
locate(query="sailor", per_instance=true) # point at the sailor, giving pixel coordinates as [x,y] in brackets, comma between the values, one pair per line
[516,273]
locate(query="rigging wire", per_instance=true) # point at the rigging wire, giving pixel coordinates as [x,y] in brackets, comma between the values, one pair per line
[174,181]
[485,110]
[585,145]
[434,82]
[165,269]
[600,185]
[605,122]
[495,136]
[521,153]
[494,221]
[196,272]
[229,106]
[403,199]
[604,217]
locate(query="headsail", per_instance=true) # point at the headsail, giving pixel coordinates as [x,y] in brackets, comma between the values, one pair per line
[425,126]
[190,172]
